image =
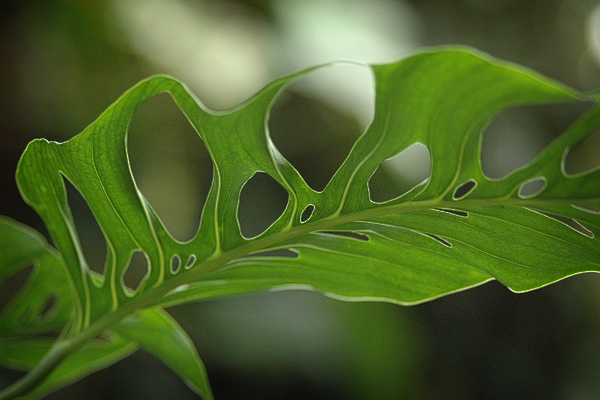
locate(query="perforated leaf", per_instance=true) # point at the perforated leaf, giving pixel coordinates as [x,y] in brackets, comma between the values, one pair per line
[455,230]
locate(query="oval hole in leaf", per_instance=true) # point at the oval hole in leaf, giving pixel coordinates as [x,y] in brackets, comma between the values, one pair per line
[464,189]
[191,261]
[171,165]
[584,156]
[12,285]
[396,175]
[532,187]
[136,272]
[517,135]
[91,238]
[175,264]
[307,213]
[316,120]
[262,201]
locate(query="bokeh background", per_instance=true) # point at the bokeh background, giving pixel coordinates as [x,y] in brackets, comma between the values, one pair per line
[63,61]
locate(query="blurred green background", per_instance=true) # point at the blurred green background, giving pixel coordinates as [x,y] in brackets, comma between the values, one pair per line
[63,62]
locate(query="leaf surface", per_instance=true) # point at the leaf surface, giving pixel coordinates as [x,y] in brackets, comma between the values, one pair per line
[25,353]
[411,250]
[158,333]
[455,230]
[44,302]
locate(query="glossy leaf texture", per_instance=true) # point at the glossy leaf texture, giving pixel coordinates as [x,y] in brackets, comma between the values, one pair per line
[453,231]
[412,250]
[30,313]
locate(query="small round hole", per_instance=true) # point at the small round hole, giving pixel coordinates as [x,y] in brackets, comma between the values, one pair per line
[463,190]
[190,261]
[175,264]
[307,213]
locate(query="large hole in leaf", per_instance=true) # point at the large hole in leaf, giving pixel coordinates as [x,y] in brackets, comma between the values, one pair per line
[171,165]
[12,285]
[136,272]
[262,201]
[316,120]
[93,243]
[585,155]
[397,175]
[517,135]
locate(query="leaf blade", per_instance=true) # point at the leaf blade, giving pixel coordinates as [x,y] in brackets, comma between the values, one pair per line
[159,334]
[25,353]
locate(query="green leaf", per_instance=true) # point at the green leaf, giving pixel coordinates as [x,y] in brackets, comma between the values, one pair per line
[159,334]
[24,354]
[455,230]
[412,251]
[44,303]
[153,329]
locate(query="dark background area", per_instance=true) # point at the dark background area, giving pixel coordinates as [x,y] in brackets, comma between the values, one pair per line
[62,62]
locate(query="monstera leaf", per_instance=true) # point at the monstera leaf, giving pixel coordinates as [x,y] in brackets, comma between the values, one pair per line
[457,229]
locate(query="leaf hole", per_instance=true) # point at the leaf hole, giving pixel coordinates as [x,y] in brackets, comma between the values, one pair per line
[171,165]
[584,156]
[464,189]
[348,234]
[517,135]
[262,201]
[454,212]
[396,175]
[316,120]
[570,222]
[277,253]
[307,213]
[532,188]
[49,308]
[439,239]
[175,264]
[11,286]
[590,210]
[191,261]
[136,272]
[91,239]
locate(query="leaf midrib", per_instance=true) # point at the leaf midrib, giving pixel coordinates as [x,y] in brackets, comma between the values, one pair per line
[262,243]
[213,263]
